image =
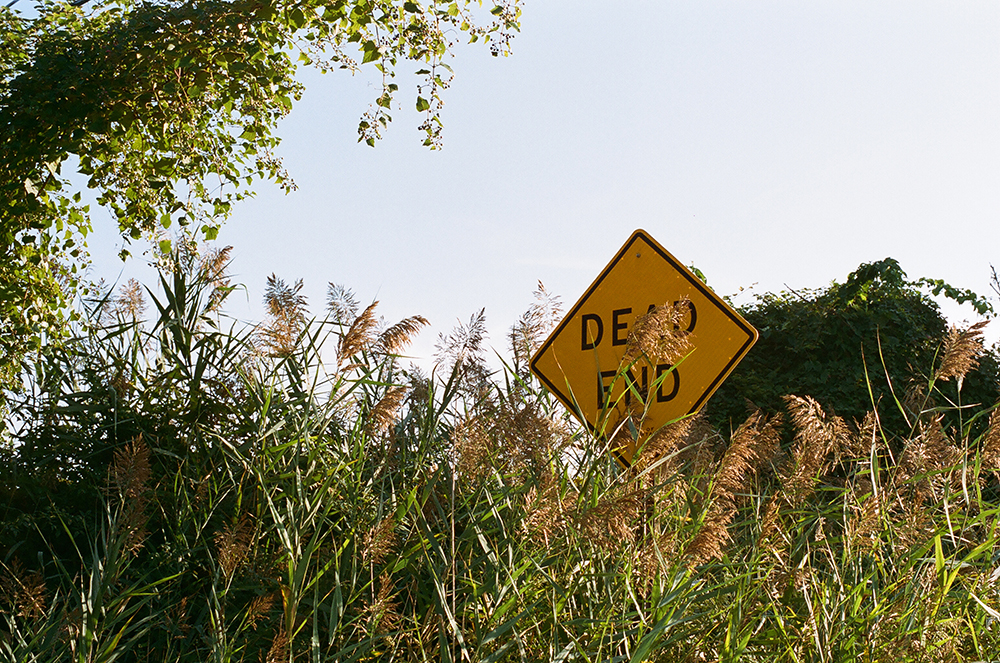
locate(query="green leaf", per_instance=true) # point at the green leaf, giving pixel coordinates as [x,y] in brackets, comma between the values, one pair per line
[422,104]
[164,246]
[371,52]
[453,9]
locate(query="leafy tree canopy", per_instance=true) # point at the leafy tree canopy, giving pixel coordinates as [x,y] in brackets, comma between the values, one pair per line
[870,339]
[168,110]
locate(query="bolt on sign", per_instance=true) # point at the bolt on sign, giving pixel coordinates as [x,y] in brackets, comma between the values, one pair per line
[584,364]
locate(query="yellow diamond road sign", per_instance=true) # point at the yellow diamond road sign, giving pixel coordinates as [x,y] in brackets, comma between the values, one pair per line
[581,361]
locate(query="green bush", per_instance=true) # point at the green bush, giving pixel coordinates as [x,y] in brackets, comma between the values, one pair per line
[872,339]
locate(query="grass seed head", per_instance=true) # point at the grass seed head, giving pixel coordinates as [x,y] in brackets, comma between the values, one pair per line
[212,269]
[658,335]
[286,317]
[398,337]
[472,447]
[341,303]
[128,477]
[278,653]
[991,443]
[379,542]
[382,613]
[817,435]
[383,414]
[546,512]
[258,609]
[961,351]
[232,545]
[611,524]
[130,303]
[24,591]
[359,336]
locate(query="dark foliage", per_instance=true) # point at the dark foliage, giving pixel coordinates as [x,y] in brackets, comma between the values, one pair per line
[871,339]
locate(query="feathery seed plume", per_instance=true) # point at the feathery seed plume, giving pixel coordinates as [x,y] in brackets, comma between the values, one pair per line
[286,312]
[961,352]
[358,336]
[384,412]
[383,612]
[379,542]
[817,435]
[991,443]
[472,448]
[753,444]
[232,544]
[341,303]
[130,302]
[658,335]
[24,591]
[394,339]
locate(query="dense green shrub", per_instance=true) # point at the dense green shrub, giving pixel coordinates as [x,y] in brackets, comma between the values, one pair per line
[872,339]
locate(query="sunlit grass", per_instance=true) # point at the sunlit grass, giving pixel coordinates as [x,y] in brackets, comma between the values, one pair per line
[243,497]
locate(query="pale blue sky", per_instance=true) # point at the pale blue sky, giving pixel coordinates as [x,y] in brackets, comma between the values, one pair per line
[766,142]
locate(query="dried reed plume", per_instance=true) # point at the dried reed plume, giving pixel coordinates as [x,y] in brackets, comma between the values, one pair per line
[961,352]
[359,336]
[129,471]
[527,333]
[472,448]
[666,443]
[286,316]
[817,435]
[232,545]
[278,653]
[867,437]
[923,459]
[128,476]
[212,269]
[384,413]
[658,335]
[130,302]
[397,337]
[379,542]
[610,525]
[863,528]
[522,435]
[460,352]
[657,549]
[24,591]
[753,445]
[258,609]
[382,614]
[991,443]
[546,512]
[341,303]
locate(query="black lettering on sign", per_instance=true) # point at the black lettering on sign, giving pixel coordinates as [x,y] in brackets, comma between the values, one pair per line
[586,343]
[662,382]
[694,316]
[602,389]
[618,326]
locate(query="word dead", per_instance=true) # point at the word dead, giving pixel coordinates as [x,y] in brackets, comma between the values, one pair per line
[637,378]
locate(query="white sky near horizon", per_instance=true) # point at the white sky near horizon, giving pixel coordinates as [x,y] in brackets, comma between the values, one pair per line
[768,143]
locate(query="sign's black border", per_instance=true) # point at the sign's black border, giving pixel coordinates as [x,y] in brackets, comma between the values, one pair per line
[642,235]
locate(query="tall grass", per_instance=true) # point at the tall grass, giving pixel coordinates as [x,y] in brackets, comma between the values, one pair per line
[293,493]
